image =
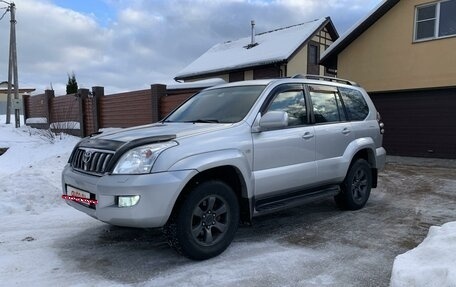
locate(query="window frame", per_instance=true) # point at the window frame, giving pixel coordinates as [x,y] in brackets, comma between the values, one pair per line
[436,36]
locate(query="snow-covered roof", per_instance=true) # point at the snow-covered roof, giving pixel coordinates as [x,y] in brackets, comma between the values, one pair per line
[198,84]
[273,46]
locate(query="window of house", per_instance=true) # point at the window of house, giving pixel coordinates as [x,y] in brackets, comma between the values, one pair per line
[313,55]
[435,20]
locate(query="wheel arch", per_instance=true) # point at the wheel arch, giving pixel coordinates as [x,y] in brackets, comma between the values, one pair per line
[368,155]
[229,175]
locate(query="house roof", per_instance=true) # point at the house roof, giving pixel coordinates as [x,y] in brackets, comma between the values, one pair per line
[4,89]
[329,57]
[273,47]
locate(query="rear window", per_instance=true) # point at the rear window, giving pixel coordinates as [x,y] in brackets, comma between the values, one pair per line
[355,104]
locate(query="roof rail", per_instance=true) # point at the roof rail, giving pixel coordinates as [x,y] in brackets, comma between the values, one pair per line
[326,78]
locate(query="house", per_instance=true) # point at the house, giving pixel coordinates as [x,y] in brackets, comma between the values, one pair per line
[4,95]
[279,53]
[404,54]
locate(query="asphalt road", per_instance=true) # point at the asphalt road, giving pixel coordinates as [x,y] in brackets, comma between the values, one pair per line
[312,245]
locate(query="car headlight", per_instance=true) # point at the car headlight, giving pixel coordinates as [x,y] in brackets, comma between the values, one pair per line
[140,159]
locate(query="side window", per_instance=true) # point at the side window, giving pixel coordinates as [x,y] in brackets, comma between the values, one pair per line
[355,104]
[291,102]
[327,107]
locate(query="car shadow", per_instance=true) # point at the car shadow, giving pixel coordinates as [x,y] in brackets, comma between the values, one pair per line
[131,255]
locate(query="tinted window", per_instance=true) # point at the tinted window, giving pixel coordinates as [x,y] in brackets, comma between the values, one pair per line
[326,107]
[291,102]
[224,105]
[355,104]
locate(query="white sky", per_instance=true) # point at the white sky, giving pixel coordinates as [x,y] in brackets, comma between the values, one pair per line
[128,45]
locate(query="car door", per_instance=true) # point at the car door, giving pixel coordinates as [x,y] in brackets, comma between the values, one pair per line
[333,133]
[284,159]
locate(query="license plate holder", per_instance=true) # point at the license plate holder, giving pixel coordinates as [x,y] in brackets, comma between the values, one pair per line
[72,191]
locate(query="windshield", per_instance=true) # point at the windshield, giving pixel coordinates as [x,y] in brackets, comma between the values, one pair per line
[224,105]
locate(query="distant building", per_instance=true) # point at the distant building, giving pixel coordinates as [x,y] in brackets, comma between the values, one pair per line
[282,52]
[404,54]
[4,95]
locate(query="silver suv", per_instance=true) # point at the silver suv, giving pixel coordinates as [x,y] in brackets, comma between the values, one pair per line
[228,154]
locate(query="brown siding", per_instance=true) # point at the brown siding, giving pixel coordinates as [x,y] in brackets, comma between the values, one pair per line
[89,125]
[37,106]
[236,76]
[266,73]
[173,99]
[419,123]
[126,109]
[99,111]
[64,109]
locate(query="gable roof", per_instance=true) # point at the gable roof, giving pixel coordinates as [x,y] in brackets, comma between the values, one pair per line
[329,57]
[273,47]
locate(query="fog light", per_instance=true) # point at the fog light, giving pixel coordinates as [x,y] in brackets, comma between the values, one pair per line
[127,201]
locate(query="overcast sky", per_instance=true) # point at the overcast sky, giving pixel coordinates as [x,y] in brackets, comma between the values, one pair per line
[129,44]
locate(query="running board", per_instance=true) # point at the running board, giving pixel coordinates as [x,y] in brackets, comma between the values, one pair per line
[281,202]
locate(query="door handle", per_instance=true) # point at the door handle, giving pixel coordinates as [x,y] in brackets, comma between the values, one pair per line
[346,131]
[307,135]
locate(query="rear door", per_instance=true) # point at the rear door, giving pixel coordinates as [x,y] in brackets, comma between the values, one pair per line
[333,133]
[284,159]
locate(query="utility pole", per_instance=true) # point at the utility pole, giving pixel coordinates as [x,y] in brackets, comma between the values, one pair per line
[12,67]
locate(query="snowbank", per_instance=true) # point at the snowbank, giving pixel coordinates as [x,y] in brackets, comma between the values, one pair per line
[432,263]
[30,169]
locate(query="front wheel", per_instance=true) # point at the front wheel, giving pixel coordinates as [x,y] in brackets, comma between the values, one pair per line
[206,222]
[356,186]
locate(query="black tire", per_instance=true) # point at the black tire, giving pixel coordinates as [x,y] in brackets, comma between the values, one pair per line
[355,190]
[206,222]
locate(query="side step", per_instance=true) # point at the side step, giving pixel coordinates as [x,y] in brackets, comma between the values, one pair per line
[281,202]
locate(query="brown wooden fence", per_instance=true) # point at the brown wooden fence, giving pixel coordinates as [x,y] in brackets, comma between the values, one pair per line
[85,112]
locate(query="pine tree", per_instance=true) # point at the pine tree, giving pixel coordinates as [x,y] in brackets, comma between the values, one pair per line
[72,86]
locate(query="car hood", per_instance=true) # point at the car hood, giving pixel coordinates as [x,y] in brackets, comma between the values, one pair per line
[177,130]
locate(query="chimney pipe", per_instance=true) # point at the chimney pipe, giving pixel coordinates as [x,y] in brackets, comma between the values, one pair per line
[253,32]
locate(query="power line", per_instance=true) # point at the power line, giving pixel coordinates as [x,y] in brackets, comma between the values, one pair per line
[7,9]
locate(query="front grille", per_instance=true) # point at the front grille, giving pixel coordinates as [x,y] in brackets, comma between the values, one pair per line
[91,161]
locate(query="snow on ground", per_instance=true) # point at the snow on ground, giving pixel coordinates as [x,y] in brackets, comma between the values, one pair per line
[43,242]
[432,263]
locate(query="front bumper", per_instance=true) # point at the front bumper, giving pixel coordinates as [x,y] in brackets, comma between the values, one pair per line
[158,193]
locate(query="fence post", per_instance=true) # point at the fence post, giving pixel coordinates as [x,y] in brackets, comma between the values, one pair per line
[82,96]
[48,96]
[157,92]
[97,93]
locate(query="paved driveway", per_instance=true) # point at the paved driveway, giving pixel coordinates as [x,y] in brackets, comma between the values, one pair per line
[312,245]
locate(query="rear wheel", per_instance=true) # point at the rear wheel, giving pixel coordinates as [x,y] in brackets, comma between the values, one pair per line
[356,186]
[206,222]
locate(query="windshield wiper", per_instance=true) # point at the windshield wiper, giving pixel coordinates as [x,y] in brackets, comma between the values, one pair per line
[203,121]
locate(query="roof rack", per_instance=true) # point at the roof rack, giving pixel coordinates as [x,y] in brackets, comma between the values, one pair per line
[326,78]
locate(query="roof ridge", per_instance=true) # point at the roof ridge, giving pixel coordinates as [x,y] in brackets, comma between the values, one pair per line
[287,27]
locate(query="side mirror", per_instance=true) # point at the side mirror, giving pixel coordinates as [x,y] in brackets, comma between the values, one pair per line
[274,120]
